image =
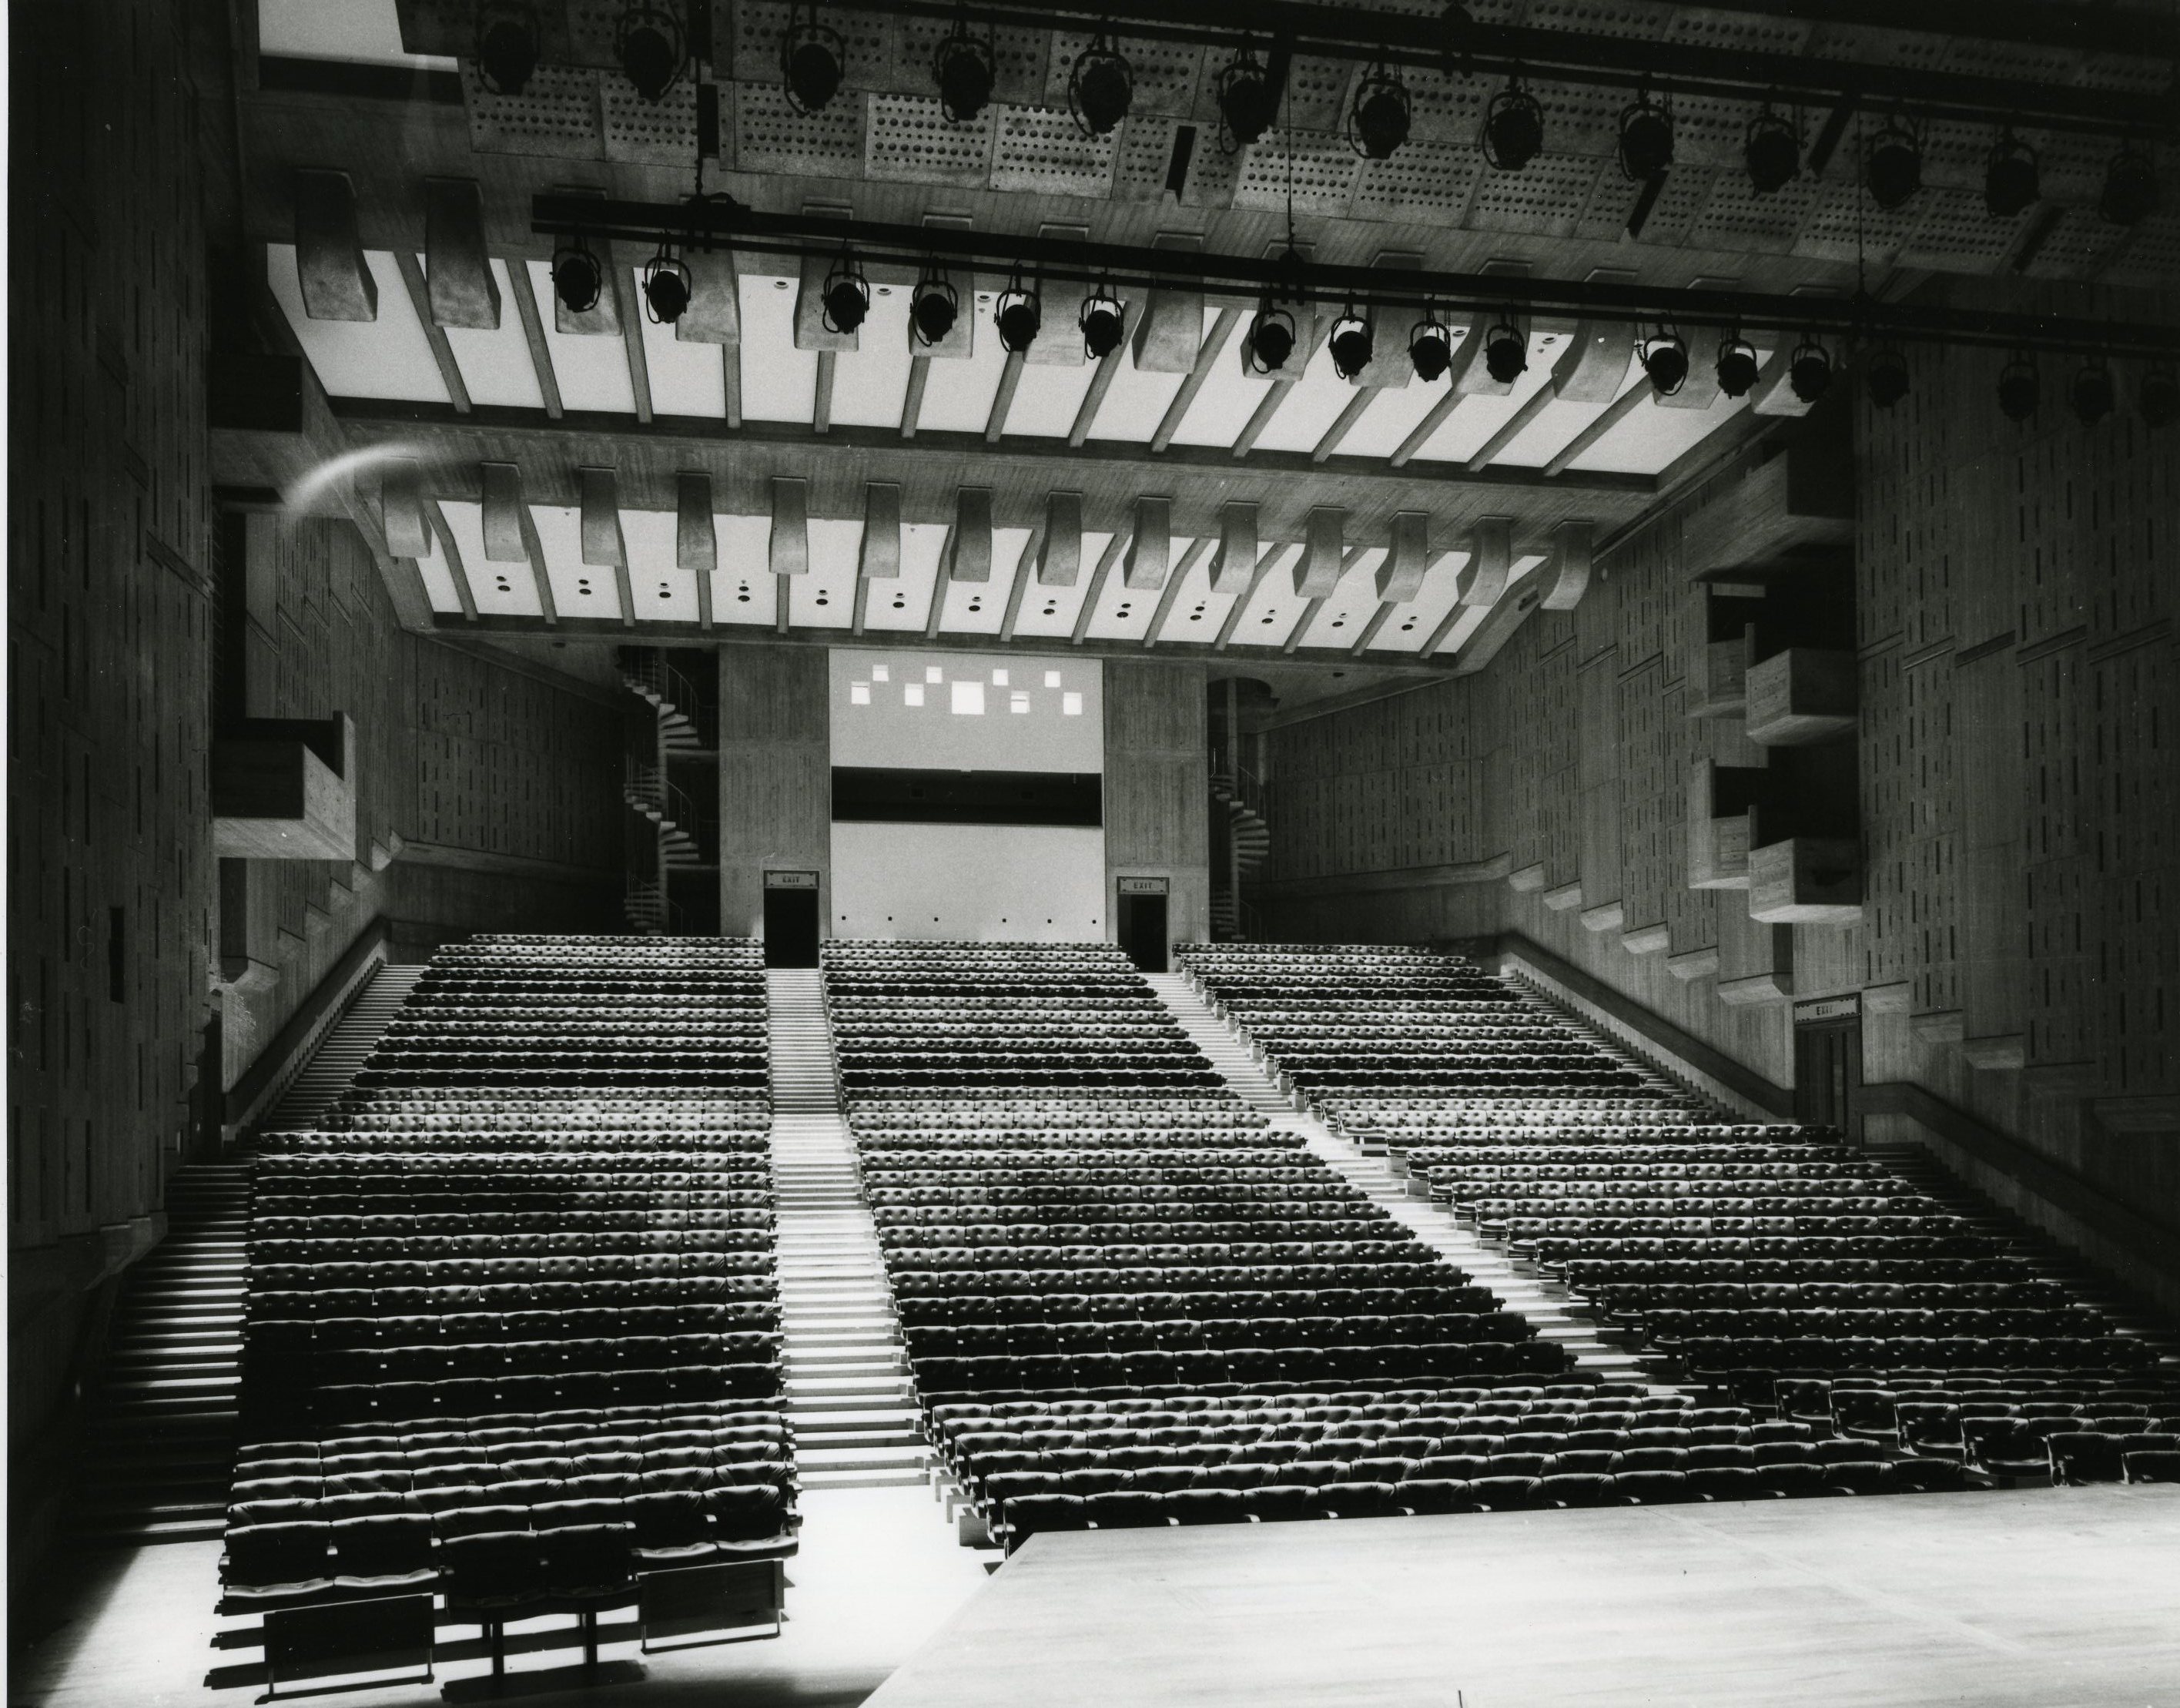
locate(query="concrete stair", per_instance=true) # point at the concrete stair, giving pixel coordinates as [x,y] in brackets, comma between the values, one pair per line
[847,1372]
[332,1069]
[159,1431]
[1544,1303]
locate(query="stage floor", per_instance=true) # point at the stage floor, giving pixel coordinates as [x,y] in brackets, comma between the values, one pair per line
[2028,1599]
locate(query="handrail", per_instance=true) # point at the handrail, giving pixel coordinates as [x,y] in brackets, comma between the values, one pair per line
[261,1084]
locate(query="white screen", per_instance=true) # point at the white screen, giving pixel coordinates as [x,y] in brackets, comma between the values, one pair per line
[969,883]
[966,712]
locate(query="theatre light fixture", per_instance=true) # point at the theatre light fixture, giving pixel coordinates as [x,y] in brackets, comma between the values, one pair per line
[1892,166]
[577,278]
[507,49]
[1248,91]
[651,48]
[2018,390]
[962,68]
[2012,179]
[1271,337]
[1737,365]
[1665,360]
[2130,188]
[1353,343]
[1101,88]
[1430,347]
[932,310]
[846,300]
[1505,351]
[1887,377]
[2092,392]
[1378,117]
[1513,128]
[812,58]
[1102,320]
[1772,151]
[1019,316]
[1646,138]
[666,285]
[1809,372]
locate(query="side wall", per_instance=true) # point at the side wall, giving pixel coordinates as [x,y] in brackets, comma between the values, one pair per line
[2017,794]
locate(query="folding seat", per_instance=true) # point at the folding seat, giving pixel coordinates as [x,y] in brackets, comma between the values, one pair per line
[2151,1465]
[1575,1488]
[1791,1477]
[1652,1488]
[1206,1505]
[1503,1493]
[278,1559]
[1927,1475]
[389,1550]
[2085,1457]
[1273,1501]
[1859,1476]
[1726,1483]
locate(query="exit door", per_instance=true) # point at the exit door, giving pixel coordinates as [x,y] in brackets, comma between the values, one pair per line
[790,927]
[1827,1075]
[1143,930]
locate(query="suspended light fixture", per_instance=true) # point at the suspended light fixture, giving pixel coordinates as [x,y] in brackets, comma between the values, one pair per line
[1809,372]
[2157,397]
[811,56]
[1665,360]
[2130,193]
[507,47]
[934,306]
[651,48]
[1353,343]
[1271,337]
[1646,138]
[667,285]
[1430,347]
[2012,179]
[2092,392]
[1101,88]
[847,298]
[1892,164]
[1019,316]
[1737,366]
[1248,97]
[1887,377]
[1102,320]
[1513,128]
[1505,351]
[962,68]
[577,278]
[2018,389]
[1378,117]
[1772,151]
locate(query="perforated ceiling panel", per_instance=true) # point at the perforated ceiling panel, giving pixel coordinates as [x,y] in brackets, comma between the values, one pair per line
[649,133]
[1019,59]
[1544,198]
[2076,246]
[1701,28]
[1317,93]
[1324,171]
[1579,119]
[772,136]
[1612,199]
[2151,258]
[1042,149]
[557,115]
[1428,181]
[1844,222]
[1957,234]
[867,38]
[1736,217]
[1213,172]
[909,138]
[1165,73]
[1708,131]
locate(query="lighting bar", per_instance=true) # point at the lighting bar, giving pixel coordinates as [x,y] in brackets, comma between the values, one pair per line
[720,221]
[1498,51]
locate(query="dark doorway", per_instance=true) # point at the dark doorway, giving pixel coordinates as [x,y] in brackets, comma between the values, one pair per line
[790,927]
[1828,1074]
[1142,931]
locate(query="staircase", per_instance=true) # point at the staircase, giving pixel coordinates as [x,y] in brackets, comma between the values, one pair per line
[1544,1303]
[326,1076]
[159,1429]
[1250,839]
[847,1382]
[643,672]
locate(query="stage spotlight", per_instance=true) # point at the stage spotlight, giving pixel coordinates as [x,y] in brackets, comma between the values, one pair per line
[847,295]
[2012,179]
[1646,139]
[1100,89]
[1377,118]
[2092,393]
[577,278]
[811,57]
[1665,360]
[1513,128]
[1809,372]
[961,67]
[1430,347]
[649,47]
[1737,365]
[931,311]
[1772,150]
[1505,351]
[506,47]
[1892,165]
[1271,338]
[1887,378]
[2157,397]
[1248,100]
[1019,315]
[666,285]
[1102,320]
[2017,388]
[2130,192]
[1353,343]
